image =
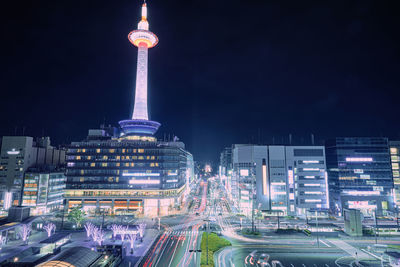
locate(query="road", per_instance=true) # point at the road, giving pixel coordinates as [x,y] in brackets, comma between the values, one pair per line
[179,244]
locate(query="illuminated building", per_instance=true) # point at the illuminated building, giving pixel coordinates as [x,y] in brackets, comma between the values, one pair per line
[130,172]
[395,160]
[18,153]
[359,174]
[43,190]
[286,179]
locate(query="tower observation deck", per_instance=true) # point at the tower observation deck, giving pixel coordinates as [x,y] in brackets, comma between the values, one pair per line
[143,39]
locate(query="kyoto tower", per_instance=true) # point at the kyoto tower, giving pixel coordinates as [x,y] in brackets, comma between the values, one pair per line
[143,39]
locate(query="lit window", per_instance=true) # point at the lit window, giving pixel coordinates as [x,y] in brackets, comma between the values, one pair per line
[393,150]
[134,150]
[89,157]
[134,157]
[111,150]
[127,157]
[83,150]
[127,164]
[104,164]
[82,171]
[105,157]
[132,164]
[98,150]
[78,157]
[117,157]
[141,157]
[123,150]
[82,179]
[140,150]
[118,164]
[148,157]
[153,157]
[395,166]
[152,164]
[92,164]
[110,179]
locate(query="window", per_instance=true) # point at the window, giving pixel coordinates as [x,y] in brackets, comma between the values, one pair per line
[104,164]
[98,150]
[92,164]
[105,157]
[78,157]
[140,150]
[111,150]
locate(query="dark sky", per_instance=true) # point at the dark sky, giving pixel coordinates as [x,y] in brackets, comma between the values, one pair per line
[224,71]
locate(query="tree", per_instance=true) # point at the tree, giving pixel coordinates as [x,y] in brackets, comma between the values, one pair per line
[98,235]
[24,232]
[132,238]
[76,215]
[50,228]
[123,232]
[2,241]
[115,228]
[89,227]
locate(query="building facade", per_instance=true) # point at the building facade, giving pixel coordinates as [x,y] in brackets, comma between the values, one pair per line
[121,175]
[18,153]
[43,191]
[360,174]
[395,160]
[289,180]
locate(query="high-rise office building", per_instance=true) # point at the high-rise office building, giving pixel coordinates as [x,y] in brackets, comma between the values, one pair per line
[43,190]
[290,180]
[359,174]
[131,171]
[18,153]
[395,159]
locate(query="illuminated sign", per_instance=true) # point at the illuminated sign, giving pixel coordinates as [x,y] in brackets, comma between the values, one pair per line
[290,177]
[140,174]
[144,181]
[327,189]
[310,169]
[359,159]
[13,152]
[244,172]
[362,193]
[172,181]
[264,178]
[310,161]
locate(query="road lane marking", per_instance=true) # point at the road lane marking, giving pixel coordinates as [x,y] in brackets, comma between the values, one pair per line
[326,244]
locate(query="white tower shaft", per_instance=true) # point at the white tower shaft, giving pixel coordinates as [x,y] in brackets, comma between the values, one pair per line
[140,109]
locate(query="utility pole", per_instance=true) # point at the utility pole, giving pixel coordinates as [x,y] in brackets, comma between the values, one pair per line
[316,218]
[397,218]
[376,228]
[252,200]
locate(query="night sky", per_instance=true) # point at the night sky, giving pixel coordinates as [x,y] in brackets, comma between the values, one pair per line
[223,72]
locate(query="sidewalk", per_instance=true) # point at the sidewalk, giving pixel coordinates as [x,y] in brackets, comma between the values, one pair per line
[352,251]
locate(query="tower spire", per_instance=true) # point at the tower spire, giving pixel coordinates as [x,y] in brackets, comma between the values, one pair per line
[143,39]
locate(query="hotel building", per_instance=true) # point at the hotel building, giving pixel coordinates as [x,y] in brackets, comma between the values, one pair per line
[130,171]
